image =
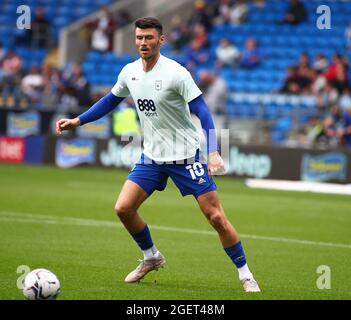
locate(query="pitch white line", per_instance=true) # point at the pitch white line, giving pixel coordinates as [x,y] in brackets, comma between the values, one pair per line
[21,217]
[300,186]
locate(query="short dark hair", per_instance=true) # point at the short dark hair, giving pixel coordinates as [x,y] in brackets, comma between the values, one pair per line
[148,22]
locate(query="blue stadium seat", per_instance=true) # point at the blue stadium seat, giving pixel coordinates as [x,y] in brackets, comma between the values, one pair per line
[66,2]
[81,3]
[80,12]
[102,2]
[93,56]
[7,19]
[280,130]
[88,67]
[9,8]
[61,21]
[65,11]
[105,67]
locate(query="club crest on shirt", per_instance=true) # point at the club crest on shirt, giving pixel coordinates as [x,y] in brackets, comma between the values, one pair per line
[158,85]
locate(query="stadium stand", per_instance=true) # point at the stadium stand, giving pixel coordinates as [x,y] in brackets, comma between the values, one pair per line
[58,12]
[255,93]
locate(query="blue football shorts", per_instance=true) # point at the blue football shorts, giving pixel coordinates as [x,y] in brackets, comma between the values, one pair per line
[190,177]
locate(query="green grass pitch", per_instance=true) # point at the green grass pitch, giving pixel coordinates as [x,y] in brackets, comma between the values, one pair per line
[63,220]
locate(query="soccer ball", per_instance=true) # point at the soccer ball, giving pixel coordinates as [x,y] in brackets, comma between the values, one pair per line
[41,284]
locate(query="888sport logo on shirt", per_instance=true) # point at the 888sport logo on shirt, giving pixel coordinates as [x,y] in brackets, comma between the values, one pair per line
[147,106]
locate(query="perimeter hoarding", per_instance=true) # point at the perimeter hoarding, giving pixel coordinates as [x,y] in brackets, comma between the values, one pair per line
[261,162]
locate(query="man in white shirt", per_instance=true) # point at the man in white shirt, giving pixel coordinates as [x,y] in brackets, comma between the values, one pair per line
[216,91]
[164,94]
[227,54]
[33,84]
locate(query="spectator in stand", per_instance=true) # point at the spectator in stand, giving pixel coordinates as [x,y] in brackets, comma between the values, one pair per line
[33,86]
[227,54]
[195,55]
[251,56]
[344,132]
[52,86]
[40,32]
[328,97]
[338,61]
[223,12]
[321,63]
[239,12]
[304,80]
[123,18]
[345,99]
[340,82]
[318,82]
[11,64]
[231,12]
[82,89]
[68,101]
[52,77]
[70,73]
[38,36]
[348,36]
[216,91]
[77,84]
[290,85]
[330,124]
[313,131]
[2,72]
[179,34]
[337,127]
[2,53]
[200,35]
[104,28]
[10,79]
[296,13]
[299,79]
[200,16]
[304,61]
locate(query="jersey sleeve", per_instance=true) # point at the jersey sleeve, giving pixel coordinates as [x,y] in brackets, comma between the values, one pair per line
[120,89]
[186,86]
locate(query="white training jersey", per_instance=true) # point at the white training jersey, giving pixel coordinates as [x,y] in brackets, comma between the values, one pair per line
[161,97]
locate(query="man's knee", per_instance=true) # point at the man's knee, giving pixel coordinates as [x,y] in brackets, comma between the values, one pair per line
[218,221]
[123,210]
[216,217]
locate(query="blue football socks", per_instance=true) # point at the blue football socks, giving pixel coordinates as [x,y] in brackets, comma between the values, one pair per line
[143,238]
[236,254]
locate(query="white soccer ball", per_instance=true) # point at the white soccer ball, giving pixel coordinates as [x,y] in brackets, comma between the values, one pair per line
[41,284]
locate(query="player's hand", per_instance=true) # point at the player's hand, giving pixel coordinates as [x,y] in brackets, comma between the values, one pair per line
[66,124]
[215,164]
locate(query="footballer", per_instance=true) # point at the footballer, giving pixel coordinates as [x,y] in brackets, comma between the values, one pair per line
[165,94]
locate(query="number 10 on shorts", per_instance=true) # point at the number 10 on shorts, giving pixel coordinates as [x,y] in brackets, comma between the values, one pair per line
[195,169]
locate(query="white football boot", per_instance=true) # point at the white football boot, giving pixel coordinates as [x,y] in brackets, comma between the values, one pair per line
[250,285]
[145,267]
